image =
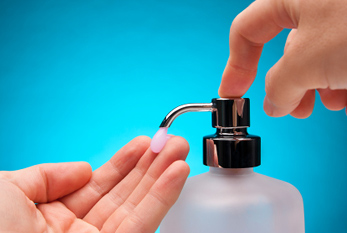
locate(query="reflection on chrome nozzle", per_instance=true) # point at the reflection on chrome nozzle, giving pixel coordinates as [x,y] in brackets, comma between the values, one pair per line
[208,107]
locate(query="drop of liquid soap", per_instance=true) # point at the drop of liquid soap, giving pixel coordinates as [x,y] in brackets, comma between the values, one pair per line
[159,140]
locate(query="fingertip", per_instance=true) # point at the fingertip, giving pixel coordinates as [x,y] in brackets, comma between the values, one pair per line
[136,146]
[86,167]
[305,108]
[82,170]
[301,114]
[334,100]
[174,178]
[268,106]
[176,148]
[179,143]
[182,167]
[236,80]
[284,88]
[142,140]
[274,111]
[185,169]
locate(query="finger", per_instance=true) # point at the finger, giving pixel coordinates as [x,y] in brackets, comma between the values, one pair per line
[288,80]
[147,216]
[106,177]
[283,95]
[176,149]
[253,27]
[333,99]
[117,196]
[48,182]
[305,108]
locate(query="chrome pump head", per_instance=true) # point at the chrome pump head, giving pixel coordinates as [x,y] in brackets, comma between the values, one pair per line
[231,146]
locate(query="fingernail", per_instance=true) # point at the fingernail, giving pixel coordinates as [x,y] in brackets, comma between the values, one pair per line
[268,106]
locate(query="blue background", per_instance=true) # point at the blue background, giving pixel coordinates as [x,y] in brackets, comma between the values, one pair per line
[79,79]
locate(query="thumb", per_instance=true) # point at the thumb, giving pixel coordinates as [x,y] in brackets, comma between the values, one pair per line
[48,182]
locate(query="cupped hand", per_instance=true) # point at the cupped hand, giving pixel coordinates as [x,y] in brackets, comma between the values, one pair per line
[130,193]
[314,58]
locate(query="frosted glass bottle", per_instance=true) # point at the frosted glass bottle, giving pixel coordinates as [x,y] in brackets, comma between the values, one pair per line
[231,197]
[236,201]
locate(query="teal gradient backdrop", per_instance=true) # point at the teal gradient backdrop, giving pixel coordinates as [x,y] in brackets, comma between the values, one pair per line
[79,79]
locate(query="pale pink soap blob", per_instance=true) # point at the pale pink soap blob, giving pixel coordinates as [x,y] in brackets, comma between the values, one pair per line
[159,140]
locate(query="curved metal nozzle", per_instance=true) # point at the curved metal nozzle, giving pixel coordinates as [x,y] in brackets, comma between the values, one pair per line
[208,107]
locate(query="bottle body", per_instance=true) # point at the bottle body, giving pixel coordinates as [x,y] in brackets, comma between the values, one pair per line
[236,201]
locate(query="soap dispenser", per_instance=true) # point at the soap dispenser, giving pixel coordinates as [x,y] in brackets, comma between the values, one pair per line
[231,197]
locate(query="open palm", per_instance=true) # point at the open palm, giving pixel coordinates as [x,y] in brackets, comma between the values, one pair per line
[132,192]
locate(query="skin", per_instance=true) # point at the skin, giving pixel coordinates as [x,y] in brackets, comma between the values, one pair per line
[314,57]
[132,192]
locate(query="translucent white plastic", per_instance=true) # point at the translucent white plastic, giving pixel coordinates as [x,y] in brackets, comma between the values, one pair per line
[236,201]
